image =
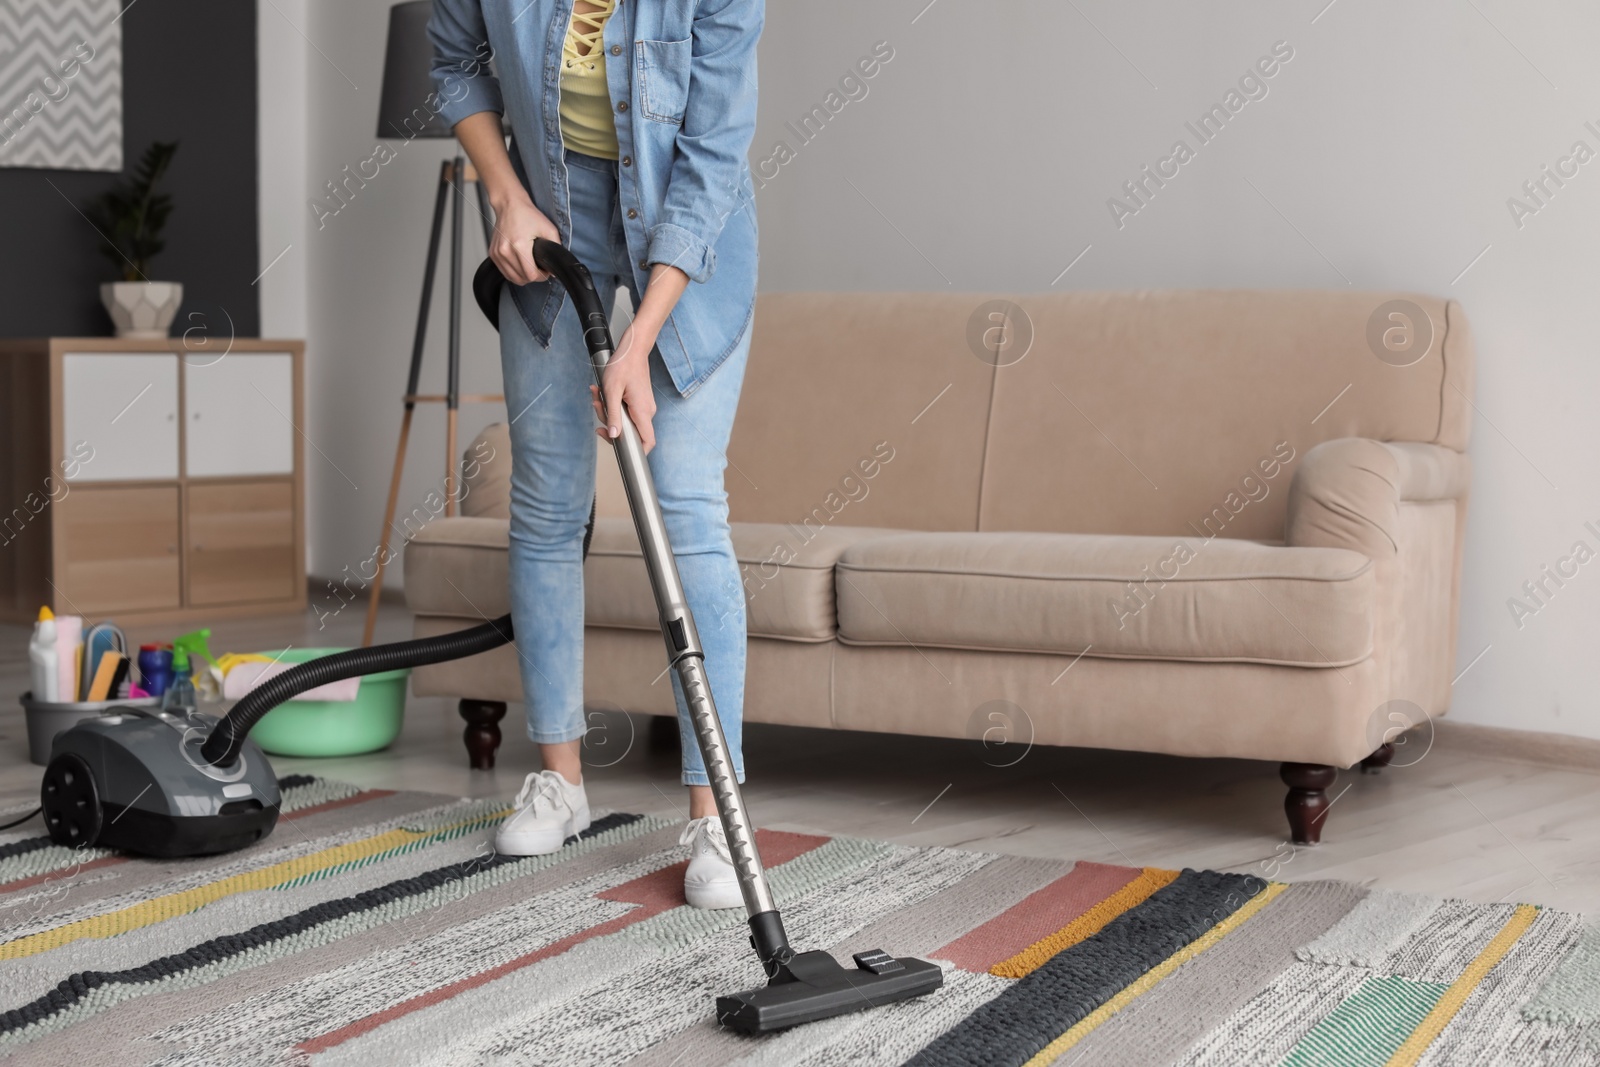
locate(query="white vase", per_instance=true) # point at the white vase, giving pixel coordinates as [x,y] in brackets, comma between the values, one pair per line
[142,309]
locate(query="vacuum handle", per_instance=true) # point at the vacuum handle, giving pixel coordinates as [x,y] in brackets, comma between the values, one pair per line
[568,269]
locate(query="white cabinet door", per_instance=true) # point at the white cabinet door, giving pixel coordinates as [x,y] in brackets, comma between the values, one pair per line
[239,414]
[120,410]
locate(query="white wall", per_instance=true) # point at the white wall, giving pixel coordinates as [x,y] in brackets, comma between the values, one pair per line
[360,276]
[982,158]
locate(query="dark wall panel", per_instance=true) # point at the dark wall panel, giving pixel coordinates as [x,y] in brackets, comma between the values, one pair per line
[188,74]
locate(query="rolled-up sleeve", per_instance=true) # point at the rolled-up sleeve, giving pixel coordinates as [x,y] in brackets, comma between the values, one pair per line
[719,120]
[461,74]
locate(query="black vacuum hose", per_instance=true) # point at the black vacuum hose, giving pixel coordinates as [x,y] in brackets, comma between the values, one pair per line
[221,748]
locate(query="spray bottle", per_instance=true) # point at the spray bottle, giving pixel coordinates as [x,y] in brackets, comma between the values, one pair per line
[180,695]
[42,658]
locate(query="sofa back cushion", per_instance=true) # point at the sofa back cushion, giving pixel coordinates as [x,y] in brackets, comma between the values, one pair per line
[1185,413]
[860,409]
[486,474]
[1163,413]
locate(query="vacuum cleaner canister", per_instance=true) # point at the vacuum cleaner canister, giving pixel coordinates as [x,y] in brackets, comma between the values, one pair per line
[134,779]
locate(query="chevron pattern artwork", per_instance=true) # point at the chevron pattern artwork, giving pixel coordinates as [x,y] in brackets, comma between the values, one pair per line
[61,84]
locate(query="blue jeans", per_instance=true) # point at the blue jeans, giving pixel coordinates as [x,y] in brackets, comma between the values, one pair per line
[553,446]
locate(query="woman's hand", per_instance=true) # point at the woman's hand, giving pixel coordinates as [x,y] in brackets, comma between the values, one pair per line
[627,379]
[627,376]
[516,223]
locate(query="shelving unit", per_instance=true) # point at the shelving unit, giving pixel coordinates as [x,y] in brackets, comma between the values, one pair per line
[151,482]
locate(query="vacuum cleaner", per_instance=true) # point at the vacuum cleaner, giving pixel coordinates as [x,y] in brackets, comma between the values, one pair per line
[169,784]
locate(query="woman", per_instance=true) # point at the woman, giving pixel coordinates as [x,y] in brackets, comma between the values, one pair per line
[630,123]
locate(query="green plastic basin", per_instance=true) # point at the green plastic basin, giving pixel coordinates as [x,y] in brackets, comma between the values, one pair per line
[334,727]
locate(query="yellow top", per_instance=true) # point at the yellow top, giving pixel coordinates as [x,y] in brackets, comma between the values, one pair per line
[587,124]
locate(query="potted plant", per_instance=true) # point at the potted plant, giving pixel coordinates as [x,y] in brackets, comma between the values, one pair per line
[130,216]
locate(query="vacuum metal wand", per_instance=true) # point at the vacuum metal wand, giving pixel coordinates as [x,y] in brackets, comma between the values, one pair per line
[801,986]
[677,621]
[688,659]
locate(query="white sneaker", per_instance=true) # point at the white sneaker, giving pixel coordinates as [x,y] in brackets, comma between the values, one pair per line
[710,881]
[549,810]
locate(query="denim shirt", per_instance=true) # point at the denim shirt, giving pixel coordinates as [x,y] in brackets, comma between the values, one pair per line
[689,82]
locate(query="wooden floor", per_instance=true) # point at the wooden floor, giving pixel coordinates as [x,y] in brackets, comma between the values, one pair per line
[1452,822]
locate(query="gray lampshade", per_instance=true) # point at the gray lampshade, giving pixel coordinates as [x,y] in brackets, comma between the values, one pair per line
[402,110]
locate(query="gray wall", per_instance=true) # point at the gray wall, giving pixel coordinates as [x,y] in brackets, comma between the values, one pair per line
[188,74]
[982,157]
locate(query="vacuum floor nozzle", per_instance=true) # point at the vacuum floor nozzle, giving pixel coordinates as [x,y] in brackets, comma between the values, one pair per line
[813,985]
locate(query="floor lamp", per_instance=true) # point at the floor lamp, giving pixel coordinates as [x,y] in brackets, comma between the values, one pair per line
[403,114]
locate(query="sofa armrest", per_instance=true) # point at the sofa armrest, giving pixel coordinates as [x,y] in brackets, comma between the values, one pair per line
[1430,472]
[1347,492]
[456,567]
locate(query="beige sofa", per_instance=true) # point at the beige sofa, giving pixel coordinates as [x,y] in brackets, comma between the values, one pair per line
[1201,523]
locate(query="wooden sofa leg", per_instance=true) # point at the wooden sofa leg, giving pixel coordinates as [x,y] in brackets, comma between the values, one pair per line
[482,734]
[1307,802]
[1381,757]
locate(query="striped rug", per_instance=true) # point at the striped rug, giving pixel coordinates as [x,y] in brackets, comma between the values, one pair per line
[379,927]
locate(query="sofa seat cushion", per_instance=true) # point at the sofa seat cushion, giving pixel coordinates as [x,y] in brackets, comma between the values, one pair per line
[458,567]
[787,572]
[1168,598]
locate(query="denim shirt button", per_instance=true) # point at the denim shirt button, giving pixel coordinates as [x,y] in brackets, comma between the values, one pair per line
[622,105]
[616,49]
[632,214]
[627,161]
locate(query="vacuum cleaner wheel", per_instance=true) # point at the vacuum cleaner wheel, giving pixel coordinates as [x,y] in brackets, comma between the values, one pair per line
[71,802]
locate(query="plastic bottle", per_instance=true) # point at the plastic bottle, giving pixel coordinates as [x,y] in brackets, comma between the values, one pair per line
[155,669]
[69,646]
[42,657]
[181,695]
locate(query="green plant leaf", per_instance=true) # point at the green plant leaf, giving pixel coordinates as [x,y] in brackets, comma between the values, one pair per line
[132,215]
